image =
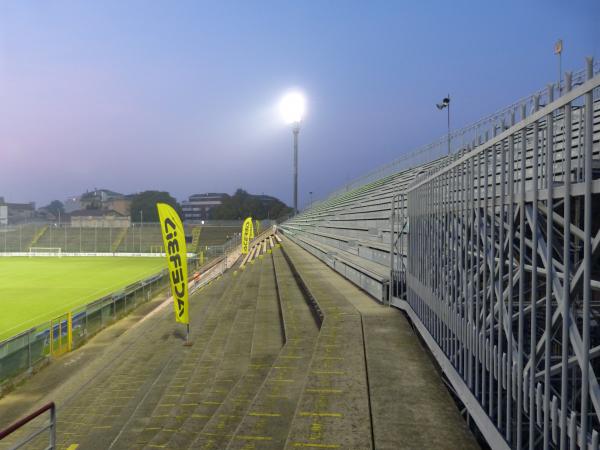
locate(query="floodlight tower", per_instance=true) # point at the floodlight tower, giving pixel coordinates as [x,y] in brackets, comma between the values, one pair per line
[292,109]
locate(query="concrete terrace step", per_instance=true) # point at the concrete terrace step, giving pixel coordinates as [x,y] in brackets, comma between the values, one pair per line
[266,343]
[178,397]
[266,424]
[188,406]
[408,403]
[114,388]
[333,410]
[164,346]
[372,269]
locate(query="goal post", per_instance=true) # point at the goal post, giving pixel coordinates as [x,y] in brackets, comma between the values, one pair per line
[45,251]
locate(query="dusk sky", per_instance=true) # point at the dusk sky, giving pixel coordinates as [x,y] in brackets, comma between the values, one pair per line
[182,96]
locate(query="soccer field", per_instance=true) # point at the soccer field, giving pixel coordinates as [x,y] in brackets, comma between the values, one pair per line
[34,290]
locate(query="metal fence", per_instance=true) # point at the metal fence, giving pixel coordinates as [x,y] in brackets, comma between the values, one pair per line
[225,223]
[463,138]
[503,272]
[23,352]
[207,252]
[137,238]
[144,238]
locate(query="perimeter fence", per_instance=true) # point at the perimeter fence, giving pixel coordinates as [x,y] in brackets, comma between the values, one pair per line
[31,348]
[136,238]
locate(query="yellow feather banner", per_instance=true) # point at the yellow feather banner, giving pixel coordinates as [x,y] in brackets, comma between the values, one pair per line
[176,251]
[247,235]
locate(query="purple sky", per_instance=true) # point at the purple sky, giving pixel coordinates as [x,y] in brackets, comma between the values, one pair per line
[182,96]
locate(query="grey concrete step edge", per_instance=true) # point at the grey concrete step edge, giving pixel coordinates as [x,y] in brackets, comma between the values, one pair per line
[308,295]
[377,245]
[279,303]
[229,291]
[335,254]
[242,376]
[296,412]
[132,433]
[143,394]
[303,278]
[312,307]
[239,285]
[258,392]
[115,363]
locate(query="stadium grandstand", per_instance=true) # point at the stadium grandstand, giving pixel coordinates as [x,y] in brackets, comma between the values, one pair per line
[461,312]
[136,238]
[467,246]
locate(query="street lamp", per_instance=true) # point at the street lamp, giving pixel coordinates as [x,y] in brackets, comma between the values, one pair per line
[310,193]
[446,104]
[292,108]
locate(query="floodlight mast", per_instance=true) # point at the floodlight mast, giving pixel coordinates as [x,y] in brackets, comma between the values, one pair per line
[292,109]
[296,131]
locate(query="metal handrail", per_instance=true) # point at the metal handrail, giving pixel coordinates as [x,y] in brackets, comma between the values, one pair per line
[25,420]
[478,128]
[588,86]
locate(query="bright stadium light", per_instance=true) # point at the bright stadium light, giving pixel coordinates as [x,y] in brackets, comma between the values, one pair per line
[292,107]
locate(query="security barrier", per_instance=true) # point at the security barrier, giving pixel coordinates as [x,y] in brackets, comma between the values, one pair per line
[23,352]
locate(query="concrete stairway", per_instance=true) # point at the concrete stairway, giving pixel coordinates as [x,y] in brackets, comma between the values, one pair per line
[267,422]
[121,399]
[204,374]
[118,239]
[195,239]
[36,237]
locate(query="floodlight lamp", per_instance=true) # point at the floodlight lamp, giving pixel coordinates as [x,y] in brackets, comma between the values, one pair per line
[292,107]
[444,104]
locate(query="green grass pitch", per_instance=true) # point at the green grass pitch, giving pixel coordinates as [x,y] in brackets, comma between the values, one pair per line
[35,290]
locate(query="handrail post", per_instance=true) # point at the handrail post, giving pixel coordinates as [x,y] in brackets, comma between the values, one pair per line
[53,426]
[29,349]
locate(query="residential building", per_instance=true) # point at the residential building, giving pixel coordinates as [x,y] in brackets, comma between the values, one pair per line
[73,204]
[92,218]
[198,206]
[19,212]
[106,200]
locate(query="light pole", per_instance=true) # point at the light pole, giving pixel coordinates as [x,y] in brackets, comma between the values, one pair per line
[446,104]
[292,109]
[296,131]
[310,193]
[141,226]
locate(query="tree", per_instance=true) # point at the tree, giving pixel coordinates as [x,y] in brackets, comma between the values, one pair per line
[242,204]
[145,202]
[55,207]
